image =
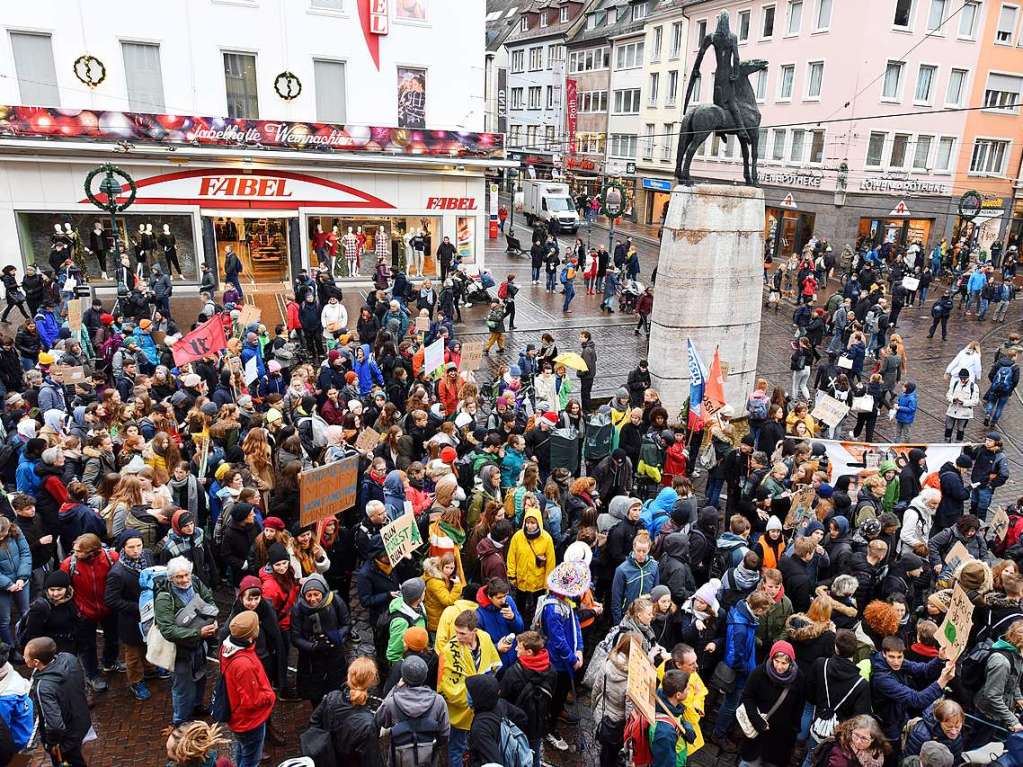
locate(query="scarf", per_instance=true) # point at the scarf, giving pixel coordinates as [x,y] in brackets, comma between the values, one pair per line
[179,546]
[745,580]
[185,595]
[868,758]
[689,606]
[454,533]
[192,492]
[539,662]
[783,679]
[137,565]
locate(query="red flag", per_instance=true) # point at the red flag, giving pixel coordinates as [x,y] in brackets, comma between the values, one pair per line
[714,393]
[208,338]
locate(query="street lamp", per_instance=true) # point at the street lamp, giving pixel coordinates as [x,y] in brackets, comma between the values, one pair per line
[109,190]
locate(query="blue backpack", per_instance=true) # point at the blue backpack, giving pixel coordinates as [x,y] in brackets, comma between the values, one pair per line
[515,750]
[148,579]
[1002,383]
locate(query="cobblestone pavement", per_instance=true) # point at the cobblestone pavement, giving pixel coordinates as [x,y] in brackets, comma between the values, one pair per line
[129,731]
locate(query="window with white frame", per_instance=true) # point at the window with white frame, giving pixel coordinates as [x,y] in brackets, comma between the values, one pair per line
[796,146]
[33,63]
[144,77]
[623,146]
[697,82]
[922,152]
[648,141]
[761,87]
[563,14]
[744,19]
[936,16]
[778,144]
[555,53]
[591,21]
[629,56]
[653,88]
[331,91]
[875,149]
[788,76]
[639,11]
[588,61]
[956,88]
[550,97]
[518,61]
[903,14]
[925,77]
[548,136]
[701,32]
[656,42]
[814,79]
[517,98]
[671,96]
[593,101]
[523,24]
[240,83]
[677,39]
[626,101]
[968,16]
[943,156]
[535,58]
[823,18]
[327,5]
[531,131]
[767,22]
[1003,93]
[795,18]
[515,135]
[817,146]
[897,157]
[534,97]
[1006,29]
[892,86]
[544,21]
[989,157]
[762,143]
[667,144]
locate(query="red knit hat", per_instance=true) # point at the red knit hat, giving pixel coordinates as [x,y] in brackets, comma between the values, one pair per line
[249,582]
[449,455]
[106,319]
[274,523]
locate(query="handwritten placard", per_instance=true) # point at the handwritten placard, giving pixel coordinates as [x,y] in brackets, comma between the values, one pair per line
[367,440]
[641,686]
[1000,524]
[472,356]
[328,490]
[74,316]
[954,632]
[829,410]
[422,324]
[248,314]
[401,537]
[72,375]
[800,508]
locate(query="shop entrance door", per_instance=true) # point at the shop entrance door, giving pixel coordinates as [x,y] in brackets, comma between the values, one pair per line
[260,242]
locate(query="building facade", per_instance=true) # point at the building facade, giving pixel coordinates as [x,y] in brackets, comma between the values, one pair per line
[271,132]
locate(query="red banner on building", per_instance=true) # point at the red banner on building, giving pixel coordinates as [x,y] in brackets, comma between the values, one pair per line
[208,338]
[571,113]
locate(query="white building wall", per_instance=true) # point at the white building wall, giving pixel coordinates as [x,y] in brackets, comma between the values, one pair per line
[625,79]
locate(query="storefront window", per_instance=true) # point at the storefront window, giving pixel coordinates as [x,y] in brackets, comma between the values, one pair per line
[465,242]
[901,231]
[136,232]
[403,238]
[786,231]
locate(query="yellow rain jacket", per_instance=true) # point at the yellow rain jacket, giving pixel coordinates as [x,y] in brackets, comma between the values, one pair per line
[524,572]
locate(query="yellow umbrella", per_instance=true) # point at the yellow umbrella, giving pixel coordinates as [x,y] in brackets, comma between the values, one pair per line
[571,360]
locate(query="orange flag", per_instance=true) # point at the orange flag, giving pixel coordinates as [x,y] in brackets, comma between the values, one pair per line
[714,393]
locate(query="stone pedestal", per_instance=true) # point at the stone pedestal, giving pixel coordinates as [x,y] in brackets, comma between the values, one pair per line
[709,289]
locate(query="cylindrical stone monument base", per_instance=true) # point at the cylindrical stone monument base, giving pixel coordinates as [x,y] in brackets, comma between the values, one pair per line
[709,289]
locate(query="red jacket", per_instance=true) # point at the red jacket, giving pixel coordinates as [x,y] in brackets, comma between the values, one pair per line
[282,603]
[248,690]
[645,305]
[89,581]
[294,323]
[675,462]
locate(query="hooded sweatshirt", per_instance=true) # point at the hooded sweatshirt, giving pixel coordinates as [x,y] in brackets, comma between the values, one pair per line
[404,703]
[402,618]
[491,709]
[530,560]
[735,545]
[394,495]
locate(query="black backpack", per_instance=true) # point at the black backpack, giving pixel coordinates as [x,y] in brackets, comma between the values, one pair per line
[972,670]
[720,563]
[534,700]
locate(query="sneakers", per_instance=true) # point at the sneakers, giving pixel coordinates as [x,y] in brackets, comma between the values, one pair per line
[556,742]
[141,691]
[98,684]
[117,666]
[158,673]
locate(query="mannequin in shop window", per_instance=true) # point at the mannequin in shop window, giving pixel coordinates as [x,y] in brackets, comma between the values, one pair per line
[149,240]
[98,247]
[74,241]
[350,245]
[410,254]
[333,240]
[140,252]
[382,244]
[361,237]
[169,243]
[320,244]
[419,252]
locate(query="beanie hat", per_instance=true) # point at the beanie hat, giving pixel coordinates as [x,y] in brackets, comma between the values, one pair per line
[45,358]
[413,671]
[550,417]
[244,626]
[579,551]
[774,523]
[680,512]
[825,490]
[249,582]
[784,648]
[222,471]
[940,600]
[241,510]
[277,553]
[274,523]
[968,522]
[449,455]
[972,575]
[106,319]
[911,561]
[57,579]
[416,639]
[659,591]
[181,519]
[412,590]
[964,462]
[191,380]
[315,582]
[708,593]
[934,754]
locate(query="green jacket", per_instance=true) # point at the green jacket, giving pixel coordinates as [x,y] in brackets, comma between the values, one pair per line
[400,618]
[772,625]
[166,605]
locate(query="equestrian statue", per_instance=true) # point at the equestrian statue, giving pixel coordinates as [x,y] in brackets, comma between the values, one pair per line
[734,111]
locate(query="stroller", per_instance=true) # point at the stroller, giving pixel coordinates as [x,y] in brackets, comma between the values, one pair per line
[514,246]
[629,292]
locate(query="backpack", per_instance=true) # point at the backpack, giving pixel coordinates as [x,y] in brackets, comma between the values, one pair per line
[220,705]
[413,742]
[1002,382]
[972,666]
[515,750]
[534,700]
[758,409]
[871,323]
[502,292]
[635,742]
[148,580]
[21,636]
[826,719]
[564,276]
[720,563]
[994,630]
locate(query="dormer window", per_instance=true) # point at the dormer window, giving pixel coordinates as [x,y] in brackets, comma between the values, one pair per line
[523,24]
[563,14]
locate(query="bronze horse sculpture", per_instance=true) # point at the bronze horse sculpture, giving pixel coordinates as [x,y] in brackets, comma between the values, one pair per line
[701,121]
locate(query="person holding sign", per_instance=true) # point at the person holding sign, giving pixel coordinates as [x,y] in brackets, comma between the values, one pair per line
[895,685]
[671,734]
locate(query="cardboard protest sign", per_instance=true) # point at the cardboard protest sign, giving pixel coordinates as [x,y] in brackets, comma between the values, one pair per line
[829,410]
[248,314]
[910,283]
[72,375]
[422,324]
[800,508]
[367,440]
[328,490]
[401,537]
[472,356]
[954,632]
[957,555]
[1000,524]
[74,316]
[641,686]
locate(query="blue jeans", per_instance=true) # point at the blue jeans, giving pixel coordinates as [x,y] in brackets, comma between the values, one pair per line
[714,491]
[569,295]
[923,295]
[980,501]
[535,274]
[726,714]
[248,747]
[186,693]
[804,722]
[552,281]
[7,598]
[973,295]
[984,303]
[993,409]
[458,744]
[811,746]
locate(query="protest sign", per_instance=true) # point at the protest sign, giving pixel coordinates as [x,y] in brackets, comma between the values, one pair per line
[328,490]
[74,316]
[472,356]
[957,555]
[911,283]
[367,440]
[422,324]
[72,375]
[1000,524]
[829,410]
[433,356]
[641,686]
[954,632]
[248,314]
[849,457]
[401,537]
[801,507]
[251,370]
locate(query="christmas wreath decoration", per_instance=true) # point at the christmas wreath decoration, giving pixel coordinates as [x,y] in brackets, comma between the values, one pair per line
[617,201]
[83,69]
[287,85]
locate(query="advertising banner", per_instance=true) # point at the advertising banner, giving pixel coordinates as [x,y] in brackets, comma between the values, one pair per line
[571,113]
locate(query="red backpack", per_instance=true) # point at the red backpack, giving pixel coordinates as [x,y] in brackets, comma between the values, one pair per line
[1012,535]
[635,740]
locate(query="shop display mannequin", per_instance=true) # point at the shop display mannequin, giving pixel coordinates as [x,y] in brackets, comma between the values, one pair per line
[410,253]
[320,244]
[333,240]
[350,245]
[98,247]
[361,237]
[419,252]
[140,251]
[382,244]
[169,243]
[73,239]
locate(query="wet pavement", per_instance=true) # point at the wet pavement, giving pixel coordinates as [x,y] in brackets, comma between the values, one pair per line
[129,731]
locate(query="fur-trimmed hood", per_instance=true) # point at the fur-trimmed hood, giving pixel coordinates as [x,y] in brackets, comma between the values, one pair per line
[799,628]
